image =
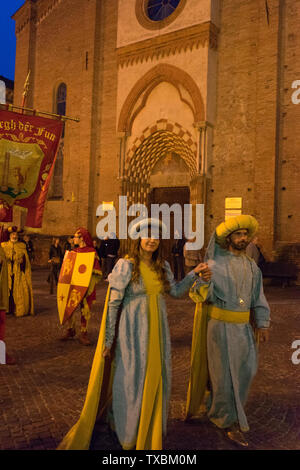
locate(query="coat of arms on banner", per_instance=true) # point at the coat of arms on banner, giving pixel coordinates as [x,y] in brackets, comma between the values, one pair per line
[20,169]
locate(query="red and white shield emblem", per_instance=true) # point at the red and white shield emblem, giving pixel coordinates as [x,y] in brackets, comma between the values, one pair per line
[74,279]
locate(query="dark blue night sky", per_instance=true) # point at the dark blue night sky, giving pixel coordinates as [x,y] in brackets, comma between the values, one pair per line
[7,37]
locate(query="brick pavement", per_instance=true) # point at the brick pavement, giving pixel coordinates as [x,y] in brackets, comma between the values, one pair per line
[42,396]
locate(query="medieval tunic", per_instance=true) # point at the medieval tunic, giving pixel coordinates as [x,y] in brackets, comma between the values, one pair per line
[236,287]
[19,278]
[141,374]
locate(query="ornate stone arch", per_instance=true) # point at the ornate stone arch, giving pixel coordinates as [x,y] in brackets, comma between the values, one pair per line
[160,73]
[154,142]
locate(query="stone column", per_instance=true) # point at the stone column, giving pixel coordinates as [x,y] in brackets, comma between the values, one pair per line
[198,182]
[122,136]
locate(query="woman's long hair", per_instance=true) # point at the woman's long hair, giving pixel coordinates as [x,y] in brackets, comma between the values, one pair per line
[157,263]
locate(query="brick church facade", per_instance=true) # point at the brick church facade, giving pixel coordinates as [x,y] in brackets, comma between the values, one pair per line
[189,101]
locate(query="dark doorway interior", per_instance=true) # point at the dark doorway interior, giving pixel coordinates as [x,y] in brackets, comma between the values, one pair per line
[179,195]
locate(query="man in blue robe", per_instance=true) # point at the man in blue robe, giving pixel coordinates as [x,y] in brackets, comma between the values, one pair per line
[224,349]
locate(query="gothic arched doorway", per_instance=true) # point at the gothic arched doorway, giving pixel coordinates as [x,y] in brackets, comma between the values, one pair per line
[160,168]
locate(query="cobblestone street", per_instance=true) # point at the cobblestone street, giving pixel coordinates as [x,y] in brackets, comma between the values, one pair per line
[42,396]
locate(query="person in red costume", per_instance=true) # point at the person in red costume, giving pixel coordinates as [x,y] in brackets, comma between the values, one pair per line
[83,243]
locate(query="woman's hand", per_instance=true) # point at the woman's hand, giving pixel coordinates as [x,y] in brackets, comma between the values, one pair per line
[203,270]
[106,353]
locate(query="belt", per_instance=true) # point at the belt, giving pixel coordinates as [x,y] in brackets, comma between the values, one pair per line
[228,316]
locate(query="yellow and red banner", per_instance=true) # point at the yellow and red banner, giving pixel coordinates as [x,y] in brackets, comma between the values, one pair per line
[73,282]
[28,148]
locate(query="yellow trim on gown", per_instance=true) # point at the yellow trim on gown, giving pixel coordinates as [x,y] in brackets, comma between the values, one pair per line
[150,426]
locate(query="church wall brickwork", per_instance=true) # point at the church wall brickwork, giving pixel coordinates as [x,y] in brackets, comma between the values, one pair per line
[243,57]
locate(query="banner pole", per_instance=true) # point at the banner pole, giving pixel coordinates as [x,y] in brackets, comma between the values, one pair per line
[25,92]
[11,107]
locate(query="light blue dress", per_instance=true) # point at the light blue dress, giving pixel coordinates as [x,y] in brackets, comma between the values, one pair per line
[132,343]
[231,347]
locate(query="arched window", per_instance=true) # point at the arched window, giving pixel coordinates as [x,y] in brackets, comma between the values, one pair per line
[60,106]
[61,101]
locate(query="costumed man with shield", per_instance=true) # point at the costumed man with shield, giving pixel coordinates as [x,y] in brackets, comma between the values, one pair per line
[79,274]
[224,350]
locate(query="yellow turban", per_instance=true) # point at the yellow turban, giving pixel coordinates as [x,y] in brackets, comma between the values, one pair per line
[232,224]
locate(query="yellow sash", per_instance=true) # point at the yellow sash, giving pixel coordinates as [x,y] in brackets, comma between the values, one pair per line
[228,315]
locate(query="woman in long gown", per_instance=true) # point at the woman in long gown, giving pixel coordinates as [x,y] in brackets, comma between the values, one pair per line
[141,373]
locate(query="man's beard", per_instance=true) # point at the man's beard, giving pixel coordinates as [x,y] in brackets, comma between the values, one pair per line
[241,246]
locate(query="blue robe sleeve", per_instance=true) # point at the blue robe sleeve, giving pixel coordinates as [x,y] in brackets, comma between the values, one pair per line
[118,280]
[259,303]
[177,289]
